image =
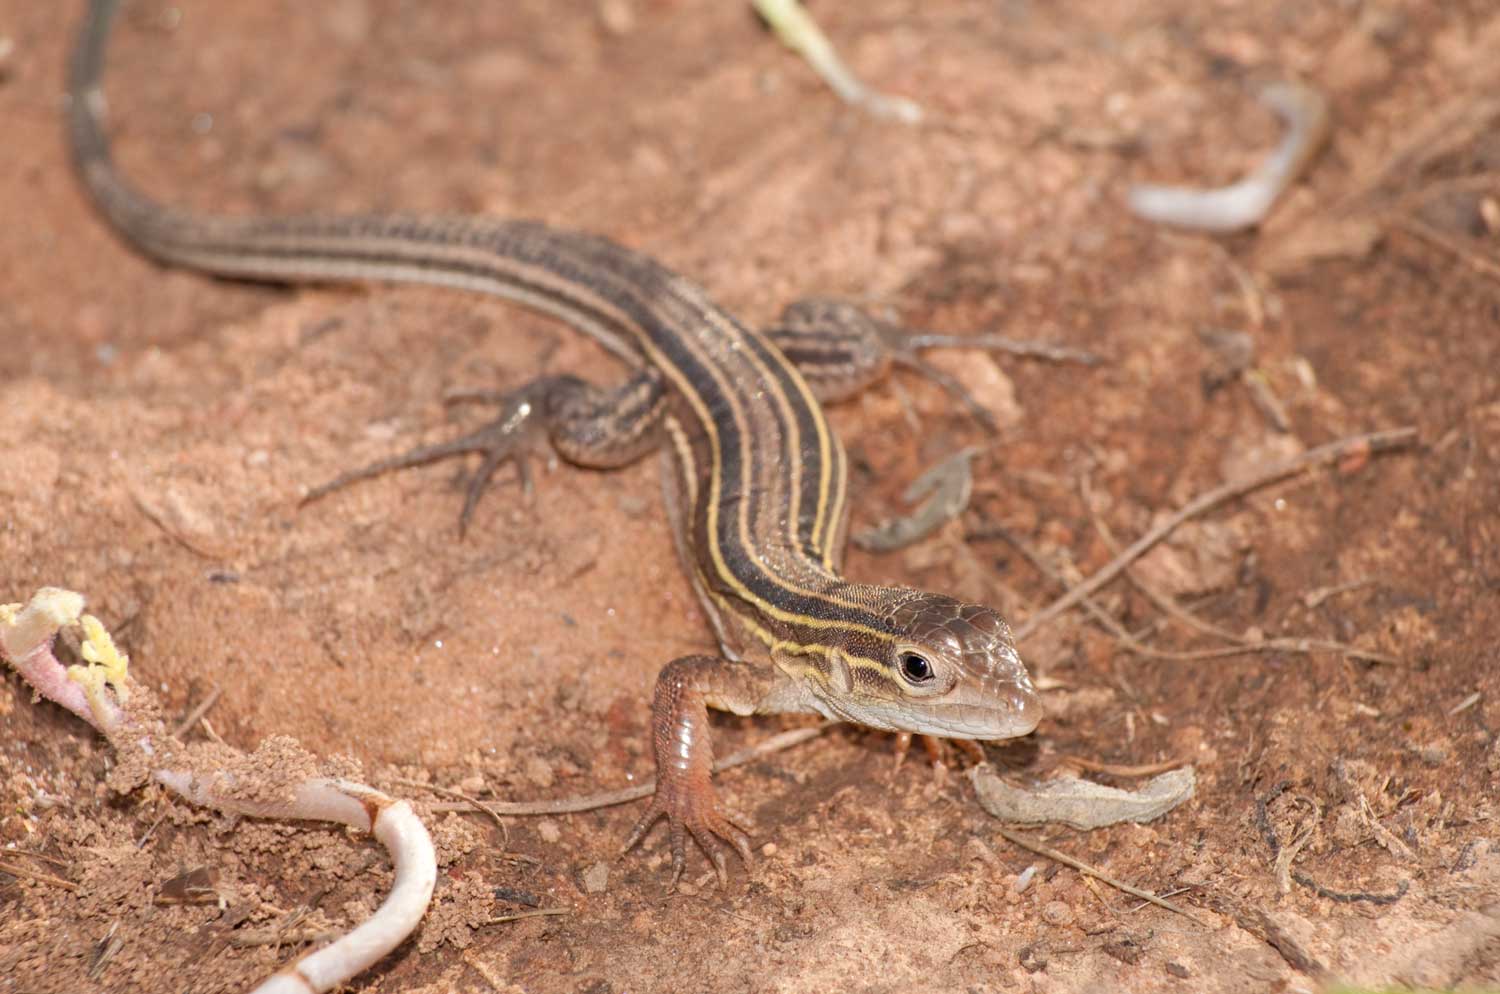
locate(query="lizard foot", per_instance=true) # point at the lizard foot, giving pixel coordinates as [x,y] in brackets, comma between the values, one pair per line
[506,438]
[937,749]
[694,809]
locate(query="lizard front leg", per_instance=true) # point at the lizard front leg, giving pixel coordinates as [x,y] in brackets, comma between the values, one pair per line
[682,740]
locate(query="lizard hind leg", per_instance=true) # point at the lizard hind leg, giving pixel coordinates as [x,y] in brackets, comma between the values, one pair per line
[588,425]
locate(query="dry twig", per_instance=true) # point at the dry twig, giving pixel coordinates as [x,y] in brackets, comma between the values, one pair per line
[1239,644]
[474,803]
[186,724]
[42,878]
[572,805]
[531,913]
[1042,849]
[1378,441]
[1120,770]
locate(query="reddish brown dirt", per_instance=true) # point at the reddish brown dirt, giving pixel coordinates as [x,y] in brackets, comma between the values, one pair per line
[160,427]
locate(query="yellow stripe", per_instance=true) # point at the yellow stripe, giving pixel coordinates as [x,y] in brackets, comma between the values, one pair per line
[552,296]
[750,465]
[788,647]
[716,492]
[835,511]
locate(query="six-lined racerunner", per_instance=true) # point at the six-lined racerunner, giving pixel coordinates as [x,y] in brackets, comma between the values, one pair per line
[756,481]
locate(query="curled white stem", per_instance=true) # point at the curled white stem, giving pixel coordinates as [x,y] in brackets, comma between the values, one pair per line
[1246,203]
[27,635]
[799,32]
[392,822]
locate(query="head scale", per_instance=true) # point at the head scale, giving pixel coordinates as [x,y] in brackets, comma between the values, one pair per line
[951,671]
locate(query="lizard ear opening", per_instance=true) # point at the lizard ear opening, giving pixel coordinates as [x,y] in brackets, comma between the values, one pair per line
[839,677]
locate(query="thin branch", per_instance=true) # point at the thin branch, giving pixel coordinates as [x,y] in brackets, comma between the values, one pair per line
[1239,645]
[532,913]
[184,726]
[1378,441]
[1042,849]
[1132,643]
[474,803]
[1463,251]
[43,878]
[573,805]
[1120,770]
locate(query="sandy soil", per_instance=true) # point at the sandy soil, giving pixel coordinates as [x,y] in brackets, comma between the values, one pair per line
[160,428]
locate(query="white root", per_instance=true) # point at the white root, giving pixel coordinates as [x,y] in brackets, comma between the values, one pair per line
[799,32]
[102,694]
[1246,203]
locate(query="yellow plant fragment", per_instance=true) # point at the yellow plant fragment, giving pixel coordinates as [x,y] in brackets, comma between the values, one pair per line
[106,662]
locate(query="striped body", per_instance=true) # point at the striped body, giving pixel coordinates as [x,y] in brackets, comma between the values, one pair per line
[757,481]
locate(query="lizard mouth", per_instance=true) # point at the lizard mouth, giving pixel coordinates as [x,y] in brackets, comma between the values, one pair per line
[992,717]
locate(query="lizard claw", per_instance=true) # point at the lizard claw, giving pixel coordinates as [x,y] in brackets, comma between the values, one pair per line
[694,810]
[937,750]
[504,439]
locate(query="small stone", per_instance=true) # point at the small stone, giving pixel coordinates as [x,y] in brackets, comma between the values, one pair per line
[1178,970]
[1200,557]
[1489,210]
[596,878]
[548,830]
[618,16]
[1434,753]
[538,771]
[985,381]
[1126,949]
[1057,913]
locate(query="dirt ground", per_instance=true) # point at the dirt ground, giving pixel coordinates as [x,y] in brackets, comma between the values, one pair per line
[160,427]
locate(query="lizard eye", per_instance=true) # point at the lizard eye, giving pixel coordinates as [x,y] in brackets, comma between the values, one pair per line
[915,668]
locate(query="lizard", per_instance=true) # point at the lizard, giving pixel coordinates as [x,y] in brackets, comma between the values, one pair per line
[756,481]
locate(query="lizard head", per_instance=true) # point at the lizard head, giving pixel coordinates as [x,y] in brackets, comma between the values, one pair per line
[951,670]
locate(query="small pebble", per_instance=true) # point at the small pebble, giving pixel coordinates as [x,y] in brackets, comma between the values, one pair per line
[618,16]
[538,771]
[1057,913]
[596,878]
[1489,210]
[548,830]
